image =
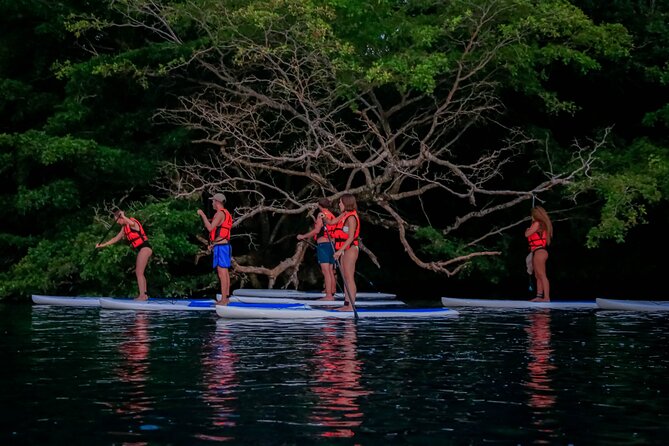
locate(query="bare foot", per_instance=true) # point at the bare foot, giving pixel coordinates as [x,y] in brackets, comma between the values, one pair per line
[345,308]
[330,297]
[540,299]
[223,302]
[142,297]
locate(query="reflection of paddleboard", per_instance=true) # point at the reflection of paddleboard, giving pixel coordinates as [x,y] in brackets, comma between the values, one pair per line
[177,305]
[66,301]
[493,303]
[296,294]
[306,312]
[314,303]
[633,305]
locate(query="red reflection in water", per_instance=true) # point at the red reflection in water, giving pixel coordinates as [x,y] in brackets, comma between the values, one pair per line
[542,396]
[134,369]
[338,383]
[220,383]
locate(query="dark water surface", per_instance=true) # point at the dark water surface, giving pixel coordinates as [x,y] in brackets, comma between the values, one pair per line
[90,376]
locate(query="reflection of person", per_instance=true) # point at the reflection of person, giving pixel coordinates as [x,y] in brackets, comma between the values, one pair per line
[539,236]
[219,237]
[324,249]
[337,381]
[133,231]
[542,395]
[346,235]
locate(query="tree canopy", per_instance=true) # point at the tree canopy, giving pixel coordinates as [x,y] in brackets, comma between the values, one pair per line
[446,120]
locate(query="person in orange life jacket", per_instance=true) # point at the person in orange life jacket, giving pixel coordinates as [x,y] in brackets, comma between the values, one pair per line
[219,237]
[133,231]
[324,249]
[539,236]
[346,234]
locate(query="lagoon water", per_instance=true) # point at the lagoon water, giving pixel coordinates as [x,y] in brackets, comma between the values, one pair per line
[90,376]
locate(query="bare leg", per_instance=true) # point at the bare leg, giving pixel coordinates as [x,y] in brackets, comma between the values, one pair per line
[326,269]
[347,262]
[143,257]
[224,278]
[543,287]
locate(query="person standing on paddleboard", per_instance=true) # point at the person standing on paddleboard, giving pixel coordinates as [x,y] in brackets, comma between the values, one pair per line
[133,231]
[219,240]
[346,235]
[324,249]
[539,236]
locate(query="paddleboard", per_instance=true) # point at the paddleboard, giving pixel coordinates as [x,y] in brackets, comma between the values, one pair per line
[296,294]
[306,312]
[178,305]
[494,303]
[633,305]
[314,303]
[66,301]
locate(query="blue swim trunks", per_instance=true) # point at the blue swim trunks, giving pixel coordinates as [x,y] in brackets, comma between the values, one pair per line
[222,256]
[325,253]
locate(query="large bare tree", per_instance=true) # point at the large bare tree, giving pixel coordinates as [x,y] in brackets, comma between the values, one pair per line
[286,111]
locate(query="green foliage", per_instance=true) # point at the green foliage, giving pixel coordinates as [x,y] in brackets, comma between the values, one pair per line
[630,180]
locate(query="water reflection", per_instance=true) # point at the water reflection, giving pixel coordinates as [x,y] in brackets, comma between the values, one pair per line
[135,367]
[541,394]
[337,382]
[220,382]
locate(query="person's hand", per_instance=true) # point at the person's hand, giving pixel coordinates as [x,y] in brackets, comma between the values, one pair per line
[338,254]
[201,213]
[98,245]
[300,237]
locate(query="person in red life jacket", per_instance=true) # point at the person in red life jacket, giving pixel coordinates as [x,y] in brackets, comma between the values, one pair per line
[133,232]
[219,238]
[539,236]
[324,249]
[346,234]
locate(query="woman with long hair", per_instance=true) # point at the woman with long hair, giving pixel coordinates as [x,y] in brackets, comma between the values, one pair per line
[346,235]
[539,236]
[133,232]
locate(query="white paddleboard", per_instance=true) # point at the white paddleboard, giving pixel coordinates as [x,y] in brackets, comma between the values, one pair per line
[158,304]
[314,303]
[178,305]
[296,294]
[66,301]
[306,312]
[493,303]
[633,305]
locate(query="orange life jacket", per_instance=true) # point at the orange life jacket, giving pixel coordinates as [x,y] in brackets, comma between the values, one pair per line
[222,232]
[135,237]
[537,240]
[326,230]
[340,236]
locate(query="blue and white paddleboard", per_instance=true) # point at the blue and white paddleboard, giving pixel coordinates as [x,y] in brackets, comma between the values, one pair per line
[66,301]
[296,294]
[178,305]
[494,303]
[633,305]
[307,312]
[314,303]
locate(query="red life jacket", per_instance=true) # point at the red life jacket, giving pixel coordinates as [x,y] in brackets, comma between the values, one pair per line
[340,236]
[135,237]
[326,230]
[537,240]
[222,232]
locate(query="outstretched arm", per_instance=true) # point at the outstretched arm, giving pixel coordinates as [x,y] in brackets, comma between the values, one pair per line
[116,238]
[315,230]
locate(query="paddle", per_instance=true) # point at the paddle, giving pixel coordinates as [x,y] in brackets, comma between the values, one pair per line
[343,279]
